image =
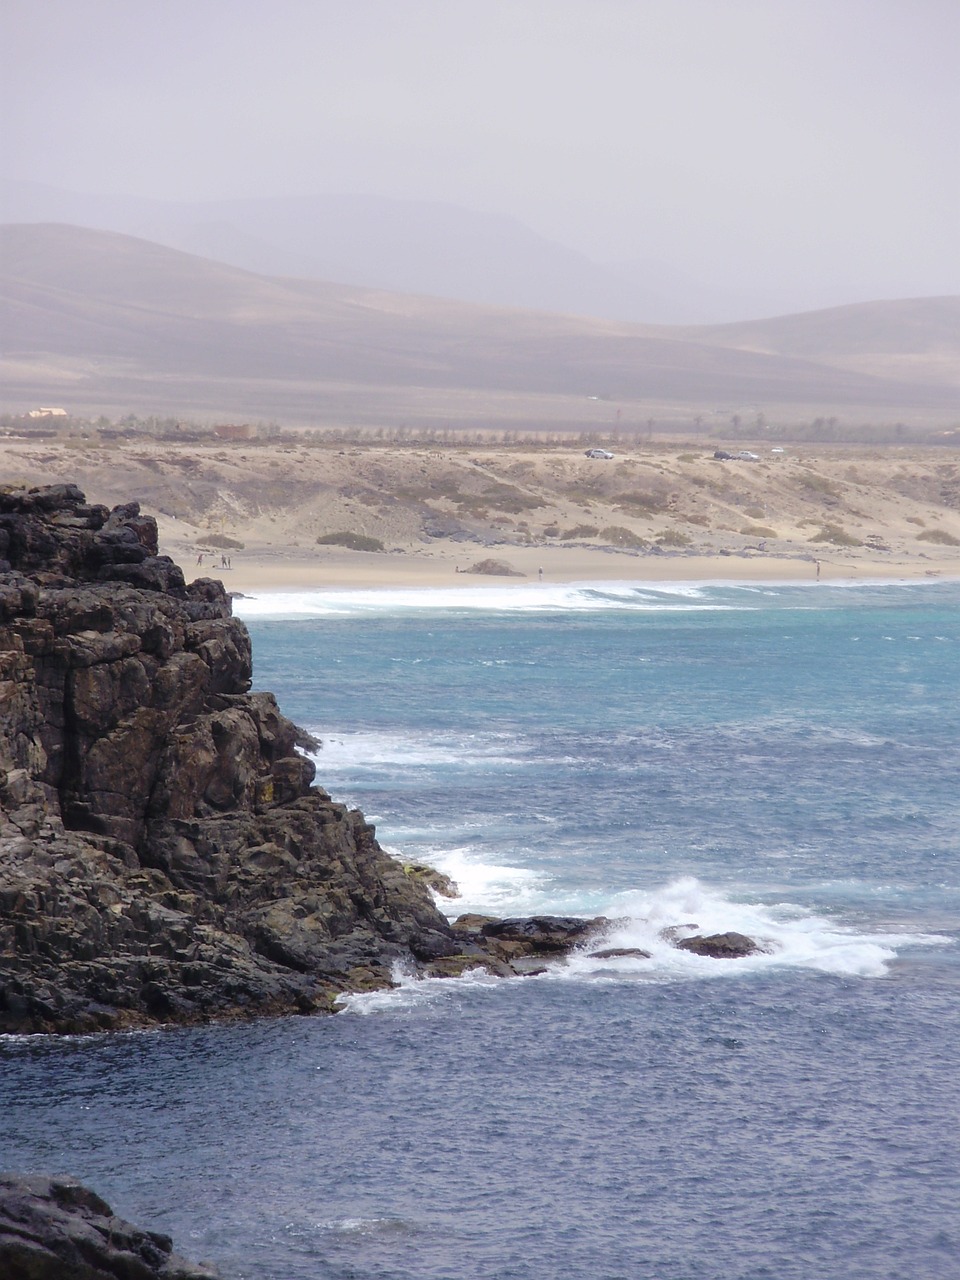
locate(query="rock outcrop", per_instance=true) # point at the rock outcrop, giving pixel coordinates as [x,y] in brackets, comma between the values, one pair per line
[164,856]
[720,946]
[57,1229]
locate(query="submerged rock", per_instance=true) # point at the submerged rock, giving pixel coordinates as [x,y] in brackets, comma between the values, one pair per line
[57,1229]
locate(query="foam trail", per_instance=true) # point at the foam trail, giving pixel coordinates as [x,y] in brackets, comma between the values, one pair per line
[375,750]
[791,936]
[412,993]
[489,888]
[525,597]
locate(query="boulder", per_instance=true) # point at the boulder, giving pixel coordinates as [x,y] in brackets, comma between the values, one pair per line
[619,953]
[721,946]
[433,879]
[57,1229]
[539,935]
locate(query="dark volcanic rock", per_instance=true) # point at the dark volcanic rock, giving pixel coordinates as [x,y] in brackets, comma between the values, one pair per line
[538,935]
[620,953]
[433,879]
[722,946]
[164,856]
[56,1229]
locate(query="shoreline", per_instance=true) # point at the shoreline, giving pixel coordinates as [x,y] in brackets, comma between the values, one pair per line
[282,516]
[257,573]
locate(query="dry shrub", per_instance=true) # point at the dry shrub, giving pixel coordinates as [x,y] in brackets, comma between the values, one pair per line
[352,541]
[940,536]
[673,538]
[641,501]
[495,569]
[837,536]
[817,484]
[617,536]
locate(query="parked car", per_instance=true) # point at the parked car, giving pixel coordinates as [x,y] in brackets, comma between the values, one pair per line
[721,455]
[746,456]
[598,453]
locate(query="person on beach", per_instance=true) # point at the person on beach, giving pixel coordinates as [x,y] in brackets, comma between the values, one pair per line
[817,563]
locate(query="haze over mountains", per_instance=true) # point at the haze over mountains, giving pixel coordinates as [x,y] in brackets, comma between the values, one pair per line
[103,322]
[405,246]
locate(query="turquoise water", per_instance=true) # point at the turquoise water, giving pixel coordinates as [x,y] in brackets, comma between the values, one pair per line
[778,760]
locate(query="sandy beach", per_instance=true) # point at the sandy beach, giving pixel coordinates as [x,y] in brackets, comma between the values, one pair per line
[266,572]
[286,515]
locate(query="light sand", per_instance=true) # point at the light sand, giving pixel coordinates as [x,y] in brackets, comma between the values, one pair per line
[886,512]
[255,574]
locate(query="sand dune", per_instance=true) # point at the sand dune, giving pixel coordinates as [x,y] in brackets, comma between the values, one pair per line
[663,511]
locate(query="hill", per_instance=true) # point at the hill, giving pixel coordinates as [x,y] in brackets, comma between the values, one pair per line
[405,246]
[910,338]
[109,323]
[312,510]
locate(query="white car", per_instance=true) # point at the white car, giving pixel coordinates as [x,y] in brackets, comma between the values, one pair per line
[598,453]
[746,456]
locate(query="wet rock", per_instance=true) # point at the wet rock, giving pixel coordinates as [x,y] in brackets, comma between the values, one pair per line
[721,946]
[57,1229]
[433,879]
[539,935]
[620,953]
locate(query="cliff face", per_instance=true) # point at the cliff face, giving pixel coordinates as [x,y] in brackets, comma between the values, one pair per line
[163,854]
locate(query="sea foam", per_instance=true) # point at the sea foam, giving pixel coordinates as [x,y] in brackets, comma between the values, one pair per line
[791,937]
[534,597]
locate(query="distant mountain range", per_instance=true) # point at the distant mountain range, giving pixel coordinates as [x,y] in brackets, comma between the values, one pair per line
[405,246]
[106,322]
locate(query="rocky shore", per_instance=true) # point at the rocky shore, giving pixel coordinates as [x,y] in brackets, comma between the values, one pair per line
[164,856]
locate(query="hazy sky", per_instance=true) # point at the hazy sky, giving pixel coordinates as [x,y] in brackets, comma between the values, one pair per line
[774,140]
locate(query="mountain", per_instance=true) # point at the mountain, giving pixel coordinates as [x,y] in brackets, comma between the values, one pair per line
[405,246]
[110,322]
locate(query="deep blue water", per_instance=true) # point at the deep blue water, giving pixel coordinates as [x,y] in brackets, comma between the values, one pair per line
[781,761]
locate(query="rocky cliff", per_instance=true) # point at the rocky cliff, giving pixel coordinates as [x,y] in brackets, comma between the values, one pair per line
[163,854]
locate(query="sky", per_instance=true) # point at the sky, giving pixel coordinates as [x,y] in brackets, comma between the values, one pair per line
[732,141]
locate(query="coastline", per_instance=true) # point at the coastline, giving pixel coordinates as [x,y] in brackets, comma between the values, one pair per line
[265,516]
[267,571]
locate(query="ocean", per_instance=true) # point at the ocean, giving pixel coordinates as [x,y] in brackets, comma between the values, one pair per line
[779,760]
